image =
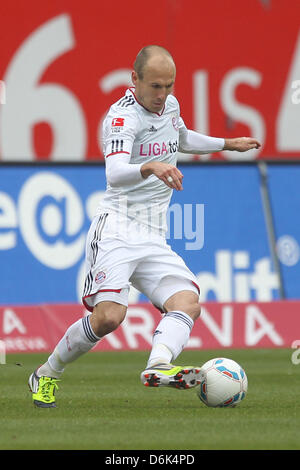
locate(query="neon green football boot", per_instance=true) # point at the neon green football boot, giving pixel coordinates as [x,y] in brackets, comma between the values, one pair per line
[168,375]
[43,390]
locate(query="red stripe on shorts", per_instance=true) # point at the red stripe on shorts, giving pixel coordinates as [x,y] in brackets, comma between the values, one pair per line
[87,306]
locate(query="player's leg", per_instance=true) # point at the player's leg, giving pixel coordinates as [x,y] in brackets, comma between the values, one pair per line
[168,283]
[173,332]
[105,294]
[169,339]
[79,338]
[83,335]
[177,295]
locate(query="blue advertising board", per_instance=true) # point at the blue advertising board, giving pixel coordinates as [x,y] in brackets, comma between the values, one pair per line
[216,224]
[234,263]
[284,185]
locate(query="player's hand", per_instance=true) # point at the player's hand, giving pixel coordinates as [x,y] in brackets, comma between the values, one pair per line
[241,144]
[169,174]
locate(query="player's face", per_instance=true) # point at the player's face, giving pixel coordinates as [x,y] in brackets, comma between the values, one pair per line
[157,83]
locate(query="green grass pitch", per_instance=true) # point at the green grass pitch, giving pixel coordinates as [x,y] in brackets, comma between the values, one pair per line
[102,405]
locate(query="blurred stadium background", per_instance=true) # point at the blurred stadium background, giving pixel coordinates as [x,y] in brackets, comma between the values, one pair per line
[62,64]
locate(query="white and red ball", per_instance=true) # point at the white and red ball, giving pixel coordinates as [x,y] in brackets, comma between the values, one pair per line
[223,383]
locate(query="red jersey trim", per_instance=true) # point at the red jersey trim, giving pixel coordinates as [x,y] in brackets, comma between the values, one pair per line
[87,306]
[115,153]
[158,114]
[197,287]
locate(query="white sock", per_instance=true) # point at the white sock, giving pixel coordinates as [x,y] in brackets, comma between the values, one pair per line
[78,339]
[170,337]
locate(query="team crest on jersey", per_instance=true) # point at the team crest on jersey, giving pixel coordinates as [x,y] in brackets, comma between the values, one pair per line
[100,277]
[175,123]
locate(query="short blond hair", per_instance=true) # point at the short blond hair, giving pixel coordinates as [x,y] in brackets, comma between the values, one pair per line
[144,54]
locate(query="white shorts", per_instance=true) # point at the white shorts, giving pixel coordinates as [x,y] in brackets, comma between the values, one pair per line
[118,257]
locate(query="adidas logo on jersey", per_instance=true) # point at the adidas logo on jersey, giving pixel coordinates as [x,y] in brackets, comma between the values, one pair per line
[152,129]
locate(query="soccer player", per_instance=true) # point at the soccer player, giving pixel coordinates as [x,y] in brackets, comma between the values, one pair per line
[126,243]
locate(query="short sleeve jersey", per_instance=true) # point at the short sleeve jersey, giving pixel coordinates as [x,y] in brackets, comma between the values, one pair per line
[131,130]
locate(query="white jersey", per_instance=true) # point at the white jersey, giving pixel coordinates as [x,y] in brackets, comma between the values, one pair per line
[130,129]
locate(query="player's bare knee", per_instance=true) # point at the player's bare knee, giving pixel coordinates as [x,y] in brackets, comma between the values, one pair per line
[109,325]
[194,310]
[187,302]
[106,317]
[198,310]
[106,324]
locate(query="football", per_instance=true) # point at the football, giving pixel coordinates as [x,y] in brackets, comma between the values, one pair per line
[223,383]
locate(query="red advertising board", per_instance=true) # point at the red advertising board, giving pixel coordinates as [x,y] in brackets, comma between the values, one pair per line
[230,325]
[64,62]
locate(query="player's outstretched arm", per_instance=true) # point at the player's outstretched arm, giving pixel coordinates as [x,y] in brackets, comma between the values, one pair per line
[241,144]
[196,143]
